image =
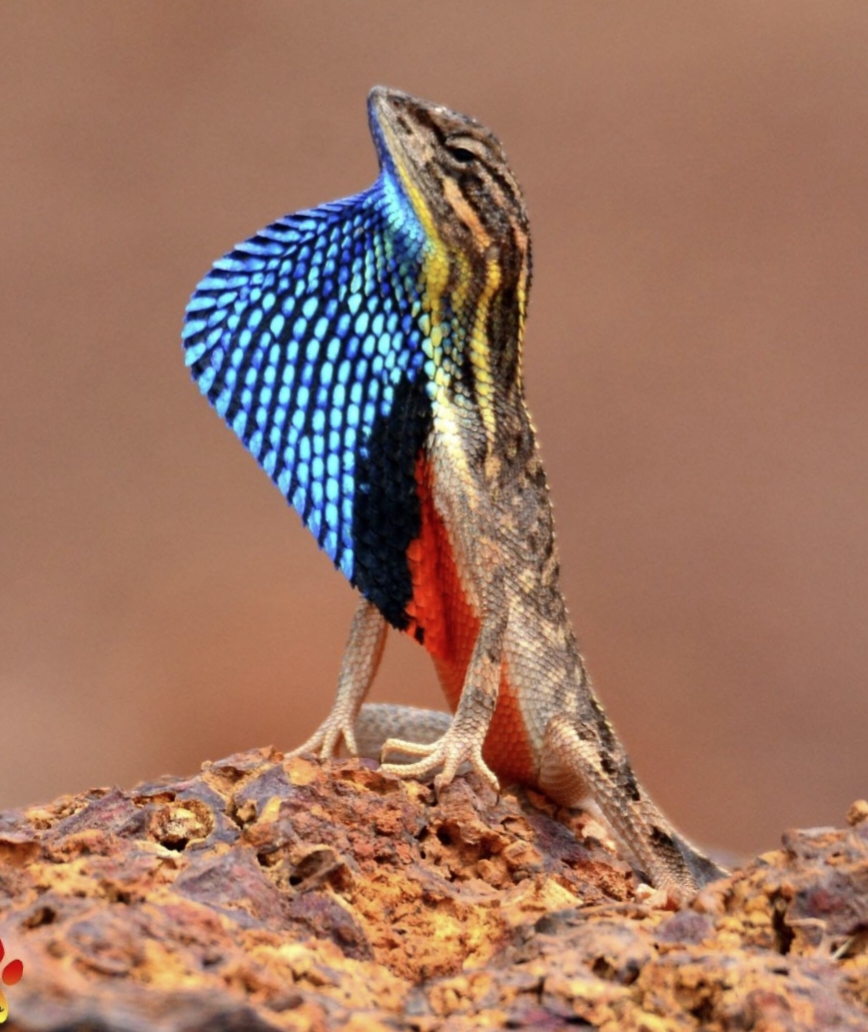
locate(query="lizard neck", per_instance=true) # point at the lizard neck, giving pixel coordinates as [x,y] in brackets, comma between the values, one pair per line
[473,286]
[449,179]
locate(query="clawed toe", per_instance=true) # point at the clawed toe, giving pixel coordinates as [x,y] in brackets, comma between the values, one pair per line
[446,755]
[325,741]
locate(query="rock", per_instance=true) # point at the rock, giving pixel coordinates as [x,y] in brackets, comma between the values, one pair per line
[275,893]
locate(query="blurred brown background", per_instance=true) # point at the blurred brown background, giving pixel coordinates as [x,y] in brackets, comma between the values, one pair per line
[697,177]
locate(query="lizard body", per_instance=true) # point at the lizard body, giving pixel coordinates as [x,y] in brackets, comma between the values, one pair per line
[368,353]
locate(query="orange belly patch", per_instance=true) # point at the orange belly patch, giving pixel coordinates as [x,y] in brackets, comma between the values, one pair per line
[442,619]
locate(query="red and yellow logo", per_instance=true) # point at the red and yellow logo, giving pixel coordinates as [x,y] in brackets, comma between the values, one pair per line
[10,975]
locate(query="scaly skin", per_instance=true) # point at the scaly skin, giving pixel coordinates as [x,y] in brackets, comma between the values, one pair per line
[471,568]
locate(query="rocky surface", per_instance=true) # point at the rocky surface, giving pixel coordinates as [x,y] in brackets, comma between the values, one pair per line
[270,893]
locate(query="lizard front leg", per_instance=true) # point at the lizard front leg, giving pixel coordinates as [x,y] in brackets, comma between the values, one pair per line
[361,659]
[463,741]
[577,765]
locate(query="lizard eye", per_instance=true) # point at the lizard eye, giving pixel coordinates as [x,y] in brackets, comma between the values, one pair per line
[463,149]
[462,154]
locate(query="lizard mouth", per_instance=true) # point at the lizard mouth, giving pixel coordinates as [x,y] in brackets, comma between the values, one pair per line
[391,123]
[401,126]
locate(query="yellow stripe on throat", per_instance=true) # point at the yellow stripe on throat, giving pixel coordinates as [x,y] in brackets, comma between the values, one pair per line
[436,275]
[436,262]
[480,354]
[479,343]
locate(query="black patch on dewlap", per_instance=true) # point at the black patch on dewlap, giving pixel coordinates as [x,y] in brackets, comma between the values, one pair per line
[387,513]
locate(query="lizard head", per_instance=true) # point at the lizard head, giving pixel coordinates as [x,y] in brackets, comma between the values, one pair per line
[475,274]
[454,172]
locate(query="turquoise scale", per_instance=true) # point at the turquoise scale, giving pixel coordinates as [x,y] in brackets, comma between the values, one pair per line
[307,341]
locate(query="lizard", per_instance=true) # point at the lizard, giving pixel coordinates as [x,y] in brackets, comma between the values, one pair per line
[368,353]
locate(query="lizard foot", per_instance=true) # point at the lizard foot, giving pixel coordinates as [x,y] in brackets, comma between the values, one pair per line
[325,741]
[449,752]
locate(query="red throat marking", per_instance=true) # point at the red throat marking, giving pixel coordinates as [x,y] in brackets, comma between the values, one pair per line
[442,618]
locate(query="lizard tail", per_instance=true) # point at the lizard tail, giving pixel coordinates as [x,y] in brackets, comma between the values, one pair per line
[379,721]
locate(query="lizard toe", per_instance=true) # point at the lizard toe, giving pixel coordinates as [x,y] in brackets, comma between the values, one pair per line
[325,741]
[448,754]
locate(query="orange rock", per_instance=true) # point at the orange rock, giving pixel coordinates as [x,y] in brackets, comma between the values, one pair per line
[269,893]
